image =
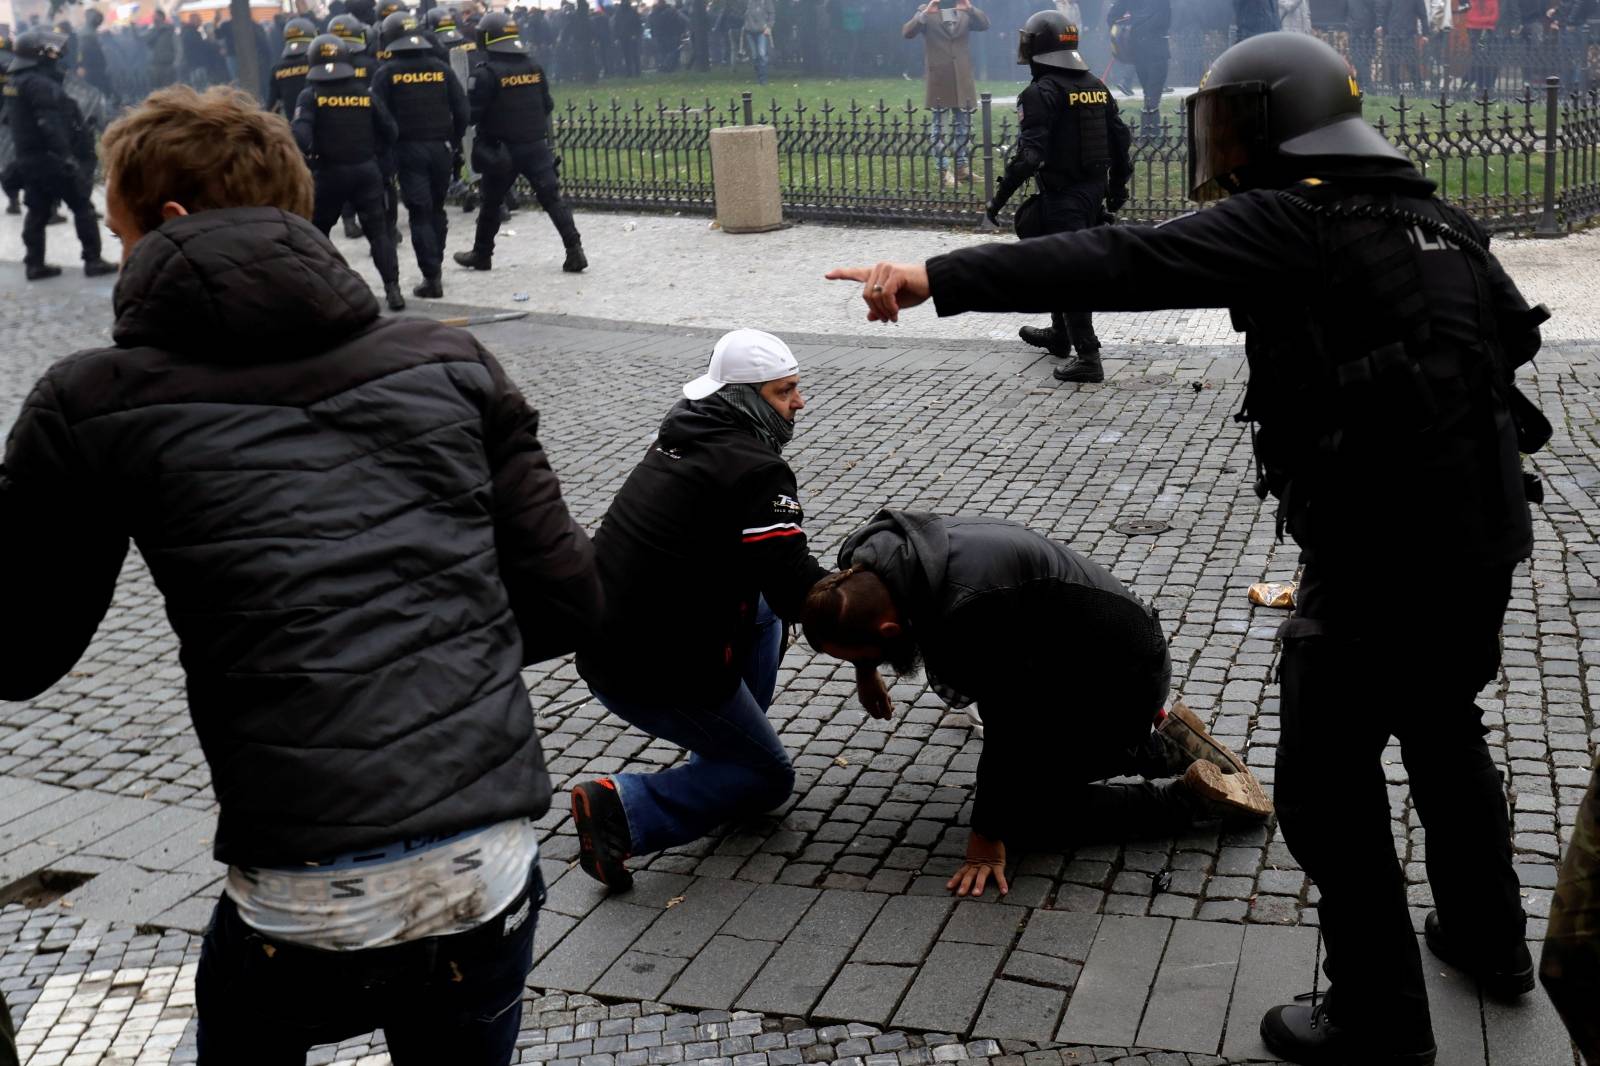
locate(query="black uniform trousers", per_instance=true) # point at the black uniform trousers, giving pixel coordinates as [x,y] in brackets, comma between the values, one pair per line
[425,170]
[1072,208]
[47,181]
[535,161]
[1353,677]
[361,186]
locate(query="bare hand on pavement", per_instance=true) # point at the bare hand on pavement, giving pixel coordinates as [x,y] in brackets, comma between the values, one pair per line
[887,287]
[985,858]
[873,693]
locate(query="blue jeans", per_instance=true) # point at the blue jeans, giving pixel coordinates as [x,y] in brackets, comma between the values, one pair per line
[736,766]
[959,121]
[759,43]
[455,999]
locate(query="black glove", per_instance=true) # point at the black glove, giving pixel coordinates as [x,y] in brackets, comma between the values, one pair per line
[991,216]
[1115,199]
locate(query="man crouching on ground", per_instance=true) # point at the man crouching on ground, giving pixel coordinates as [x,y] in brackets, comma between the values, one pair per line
[1070,669]
[701,554]
[360,542]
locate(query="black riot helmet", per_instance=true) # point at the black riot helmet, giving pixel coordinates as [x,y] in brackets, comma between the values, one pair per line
[1269,102]
[329,58]
[402,34]
[297,37]
[387,8]
[441,22]
[1049,39]
[351,30]
[497,32]
[37,48]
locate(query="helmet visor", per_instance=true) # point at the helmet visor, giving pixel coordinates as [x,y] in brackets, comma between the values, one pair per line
[1227,132]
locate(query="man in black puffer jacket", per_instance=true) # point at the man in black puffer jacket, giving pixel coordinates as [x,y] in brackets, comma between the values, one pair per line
[1070,669]
[360,542]
[701,554]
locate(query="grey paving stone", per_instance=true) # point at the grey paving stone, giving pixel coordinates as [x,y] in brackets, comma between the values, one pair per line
[131,841]
[1110,995]
[864,992]
[1526,1033]
[1190,999]
[42,821]
[903,931]
[1015,1011]
[685,928]
[1275,965]
[719,972]
[949,988]
[795,978]
[551,929]
[770,912]
[1043,969]
[1063,934]
[1457,1018]
[977,922]
[25,797]
[639,975]
[589,950]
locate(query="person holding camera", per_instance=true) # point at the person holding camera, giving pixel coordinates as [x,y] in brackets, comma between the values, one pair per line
[952,93]
[1073,142]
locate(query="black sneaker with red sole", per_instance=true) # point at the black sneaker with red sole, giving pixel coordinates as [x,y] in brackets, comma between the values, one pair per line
[603,838]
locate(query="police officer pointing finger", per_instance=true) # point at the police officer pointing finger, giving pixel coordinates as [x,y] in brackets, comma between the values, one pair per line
[1072,141]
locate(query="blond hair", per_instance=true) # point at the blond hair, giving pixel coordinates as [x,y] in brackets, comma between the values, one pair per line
[205,151]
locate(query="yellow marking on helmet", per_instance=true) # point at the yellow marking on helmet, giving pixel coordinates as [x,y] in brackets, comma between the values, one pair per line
[512,36]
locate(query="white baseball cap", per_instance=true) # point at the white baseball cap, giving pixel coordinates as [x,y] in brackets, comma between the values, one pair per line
[745,356]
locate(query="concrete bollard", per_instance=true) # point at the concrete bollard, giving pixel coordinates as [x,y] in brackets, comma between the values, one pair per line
[744,176]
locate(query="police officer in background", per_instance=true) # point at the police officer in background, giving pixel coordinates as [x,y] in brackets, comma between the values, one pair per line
[442,31]
[342,130]
[1072,141]
[430,108]
[361,39]
[1139,36]
[511,108]
[55,152]
[1383,340]
[10,177]
[289,74]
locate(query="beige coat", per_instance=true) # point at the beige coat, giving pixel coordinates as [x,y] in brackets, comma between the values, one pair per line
[949,75]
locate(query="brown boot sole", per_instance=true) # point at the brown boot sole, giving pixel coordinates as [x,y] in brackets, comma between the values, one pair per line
[1239,792]
[1193,723]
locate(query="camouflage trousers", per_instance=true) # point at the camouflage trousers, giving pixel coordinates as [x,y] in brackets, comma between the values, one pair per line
[1570,967]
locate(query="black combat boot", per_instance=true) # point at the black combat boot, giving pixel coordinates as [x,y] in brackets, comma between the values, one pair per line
[40,271]
[1083,368]
[55,219]
[12,207]
[352,229]
[430,289]
[1049,338]
[1504,974]
[576,262]
[396,298]
[474,259]
[97,268]
[1308,1035]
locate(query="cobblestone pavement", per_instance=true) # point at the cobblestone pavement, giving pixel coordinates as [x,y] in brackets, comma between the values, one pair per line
[822,933]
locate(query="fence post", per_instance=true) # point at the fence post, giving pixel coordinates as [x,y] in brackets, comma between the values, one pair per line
[985,102]
[1549,225]
[749,109]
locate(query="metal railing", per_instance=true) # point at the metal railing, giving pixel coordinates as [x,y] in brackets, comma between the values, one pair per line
[1527,163]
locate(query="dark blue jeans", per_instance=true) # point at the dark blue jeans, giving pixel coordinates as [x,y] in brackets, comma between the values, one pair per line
[736,766]
[455,999]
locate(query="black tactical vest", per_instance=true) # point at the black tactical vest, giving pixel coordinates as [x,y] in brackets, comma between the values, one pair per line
[1383,408]
[25,132]
[1080,149]
[289,78]
[343,129]
[518,112]
[419,98]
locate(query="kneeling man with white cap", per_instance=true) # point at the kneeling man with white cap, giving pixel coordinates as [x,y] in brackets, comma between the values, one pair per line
[700,555]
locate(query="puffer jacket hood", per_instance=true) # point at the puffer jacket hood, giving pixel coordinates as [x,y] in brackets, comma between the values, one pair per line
[266,279]
[909,550]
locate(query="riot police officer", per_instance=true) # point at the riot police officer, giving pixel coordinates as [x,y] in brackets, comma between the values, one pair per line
[1383,340]
[10,179]
[361,39]
[343,130]
[1139,36]
[511,108]
[443,31]
[1071,140]
[55,152]
[430,108]
[289,74]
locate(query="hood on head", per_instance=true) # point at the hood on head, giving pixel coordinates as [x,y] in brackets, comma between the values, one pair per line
[909,550]
[239,285]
